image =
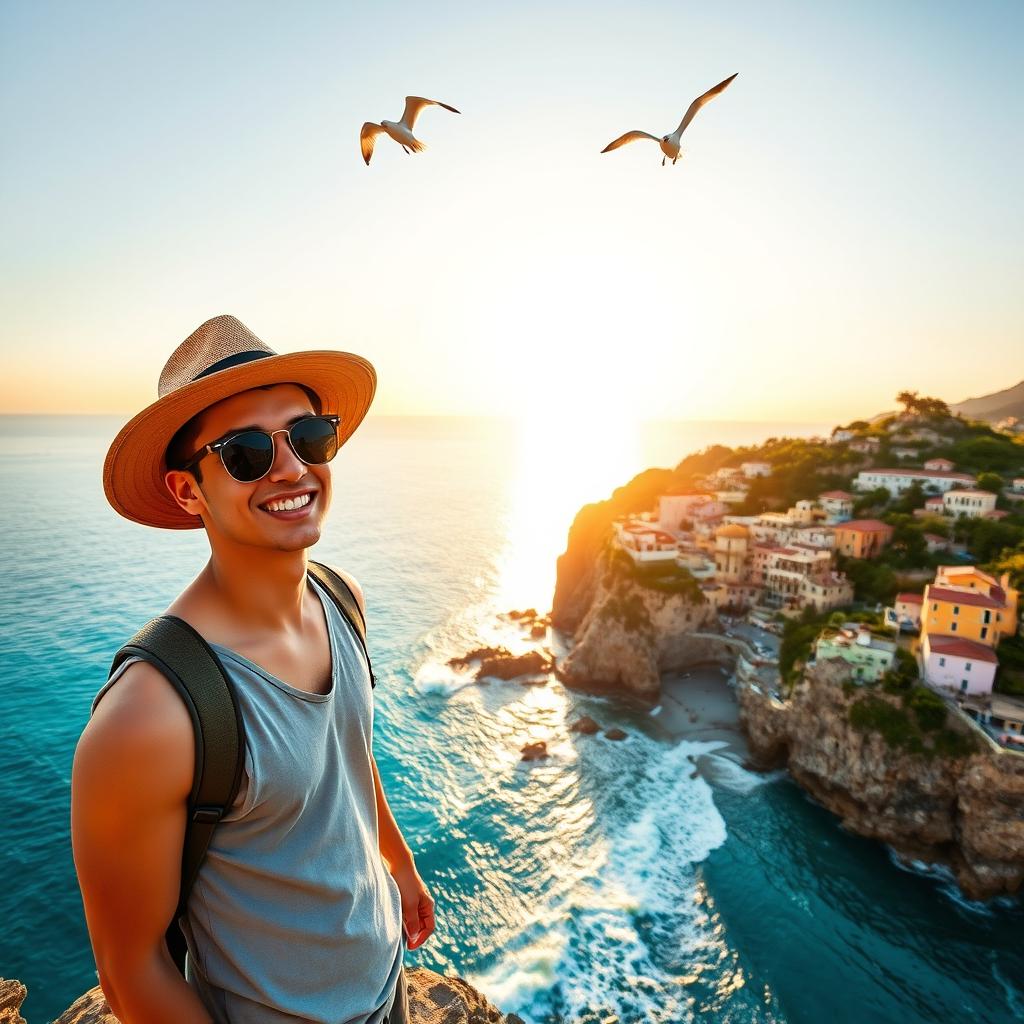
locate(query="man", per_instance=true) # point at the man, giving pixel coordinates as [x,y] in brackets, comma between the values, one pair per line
[298,911]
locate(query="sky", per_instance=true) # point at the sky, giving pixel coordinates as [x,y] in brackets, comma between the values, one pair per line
[846,220]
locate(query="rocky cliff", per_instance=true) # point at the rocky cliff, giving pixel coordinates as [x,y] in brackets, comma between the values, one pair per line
[433,999]
[964,809]
[629,633]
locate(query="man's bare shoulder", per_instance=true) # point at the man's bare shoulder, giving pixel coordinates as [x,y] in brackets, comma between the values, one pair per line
[142,723]
[353,583]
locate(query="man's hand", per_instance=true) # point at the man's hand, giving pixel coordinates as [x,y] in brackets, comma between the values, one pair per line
[417,905]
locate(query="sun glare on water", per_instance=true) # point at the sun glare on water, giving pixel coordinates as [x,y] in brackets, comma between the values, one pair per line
[564,458]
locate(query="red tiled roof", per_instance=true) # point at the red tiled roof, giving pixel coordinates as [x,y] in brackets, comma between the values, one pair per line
[908,598]
[961,648]
[835,494]
[950,596]
[863,526]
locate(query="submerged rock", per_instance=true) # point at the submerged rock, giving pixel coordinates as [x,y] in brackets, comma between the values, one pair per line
[534,751]
[585,725]
[614,733]
[479,654]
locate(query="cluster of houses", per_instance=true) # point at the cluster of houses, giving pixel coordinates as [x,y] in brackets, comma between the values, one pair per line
[962,616]
[779,560]
[786,561]
[956,495]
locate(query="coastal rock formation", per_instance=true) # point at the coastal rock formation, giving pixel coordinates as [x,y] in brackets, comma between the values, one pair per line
[965,811]
[632,633]
[433,999]
[511,666]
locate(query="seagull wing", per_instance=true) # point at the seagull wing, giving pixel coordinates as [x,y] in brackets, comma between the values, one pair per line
[413,106]
[628,137]
[699,102]
[367,135]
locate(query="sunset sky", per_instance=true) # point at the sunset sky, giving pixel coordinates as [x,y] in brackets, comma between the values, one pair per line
[846,220]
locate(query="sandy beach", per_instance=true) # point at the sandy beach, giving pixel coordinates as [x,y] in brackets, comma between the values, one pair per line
[700,705]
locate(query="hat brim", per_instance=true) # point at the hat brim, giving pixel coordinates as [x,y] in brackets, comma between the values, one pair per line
[133,471]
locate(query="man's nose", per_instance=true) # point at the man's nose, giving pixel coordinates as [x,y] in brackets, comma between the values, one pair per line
[287,465]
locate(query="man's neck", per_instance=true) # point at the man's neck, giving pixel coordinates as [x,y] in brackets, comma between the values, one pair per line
[264,592]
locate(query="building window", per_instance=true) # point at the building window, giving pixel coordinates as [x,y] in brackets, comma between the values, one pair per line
[967,667]
[987,616]
[942,662]
[952,628]
[956,609]
[984,632]
[963,684]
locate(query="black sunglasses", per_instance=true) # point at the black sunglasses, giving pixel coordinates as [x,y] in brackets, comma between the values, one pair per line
[249,454]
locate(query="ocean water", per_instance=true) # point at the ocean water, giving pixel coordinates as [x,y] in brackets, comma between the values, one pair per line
[603,884]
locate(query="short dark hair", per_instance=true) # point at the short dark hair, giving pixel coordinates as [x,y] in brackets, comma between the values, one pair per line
[183,445]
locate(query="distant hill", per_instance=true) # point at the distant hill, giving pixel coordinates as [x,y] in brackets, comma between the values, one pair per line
[994,407]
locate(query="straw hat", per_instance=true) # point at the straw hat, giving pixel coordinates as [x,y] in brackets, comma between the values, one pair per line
[219,359]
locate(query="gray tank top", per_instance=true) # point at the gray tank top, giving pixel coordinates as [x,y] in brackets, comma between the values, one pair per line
[294,916]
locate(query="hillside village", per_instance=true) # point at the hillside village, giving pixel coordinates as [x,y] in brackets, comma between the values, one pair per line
[895,546]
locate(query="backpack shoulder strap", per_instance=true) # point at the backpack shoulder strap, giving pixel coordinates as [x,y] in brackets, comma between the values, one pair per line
[346,601]
[191,666]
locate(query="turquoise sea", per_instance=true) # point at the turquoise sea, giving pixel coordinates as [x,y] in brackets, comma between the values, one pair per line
[603,884]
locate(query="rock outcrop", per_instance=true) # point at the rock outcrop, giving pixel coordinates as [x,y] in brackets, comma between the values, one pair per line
[433,999]
[965,810]
[631,633]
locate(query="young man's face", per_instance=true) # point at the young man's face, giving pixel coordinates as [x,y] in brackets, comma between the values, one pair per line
[236,511]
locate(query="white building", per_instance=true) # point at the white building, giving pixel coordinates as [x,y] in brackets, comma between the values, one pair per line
[896,481]
[648,544]
[838,505]
[943,465]
[755,468]
[956,665]
[970,503]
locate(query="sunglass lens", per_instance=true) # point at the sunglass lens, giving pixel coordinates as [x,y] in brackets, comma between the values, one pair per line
[248,456]
[315,440]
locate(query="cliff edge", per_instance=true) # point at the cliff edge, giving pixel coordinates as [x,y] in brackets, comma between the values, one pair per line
[433,999]
[963,806]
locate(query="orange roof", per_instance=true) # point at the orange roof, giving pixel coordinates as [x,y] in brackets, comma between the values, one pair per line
[835,494]
[961,648]
[864,526]
[908,598]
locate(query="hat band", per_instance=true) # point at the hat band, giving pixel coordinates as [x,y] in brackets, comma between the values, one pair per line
[236,360]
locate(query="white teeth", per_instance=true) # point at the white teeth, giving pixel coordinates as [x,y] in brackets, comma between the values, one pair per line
[289,503]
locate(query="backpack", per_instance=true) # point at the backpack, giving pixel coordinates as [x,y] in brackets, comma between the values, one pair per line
[192,667]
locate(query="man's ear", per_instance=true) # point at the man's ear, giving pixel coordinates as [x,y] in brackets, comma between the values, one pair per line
[185,491]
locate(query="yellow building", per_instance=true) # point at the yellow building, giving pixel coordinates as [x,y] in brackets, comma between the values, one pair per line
[862,538]
[968,603]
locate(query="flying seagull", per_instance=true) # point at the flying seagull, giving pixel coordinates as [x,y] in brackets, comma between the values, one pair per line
[670,143]
[400,131]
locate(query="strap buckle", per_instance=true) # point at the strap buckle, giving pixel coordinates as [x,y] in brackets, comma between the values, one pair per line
[207,815]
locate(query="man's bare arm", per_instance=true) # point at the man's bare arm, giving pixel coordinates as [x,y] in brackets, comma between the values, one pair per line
[130,784]
[393,847]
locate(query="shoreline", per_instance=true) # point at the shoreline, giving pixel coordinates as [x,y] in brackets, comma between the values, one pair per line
[699,704]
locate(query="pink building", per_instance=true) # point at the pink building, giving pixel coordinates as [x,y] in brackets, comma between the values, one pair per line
[957,665]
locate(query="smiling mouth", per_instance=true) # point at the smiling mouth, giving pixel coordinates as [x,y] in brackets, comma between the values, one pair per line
[292,508]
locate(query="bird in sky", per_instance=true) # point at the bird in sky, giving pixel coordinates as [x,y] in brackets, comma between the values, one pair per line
[400,131]
[670,143]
